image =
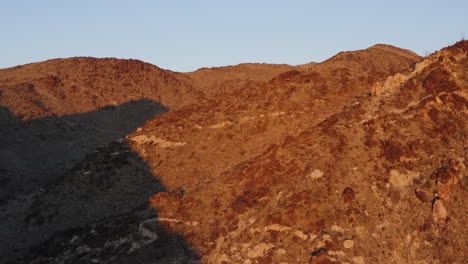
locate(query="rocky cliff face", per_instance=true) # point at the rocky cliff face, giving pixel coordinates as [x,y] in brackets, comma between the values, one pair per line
[358,159]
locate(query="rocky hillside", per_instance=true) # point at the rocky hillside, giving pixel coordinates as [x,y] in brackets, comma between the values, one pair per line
[97,212]
[86,84]
[212,81]
[203,140]
[378,179]
[80,85]
[36,152]
[357,159]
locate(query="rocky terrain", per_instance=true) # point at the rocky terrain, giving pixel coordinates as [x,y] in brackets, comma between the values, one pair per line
[97,212]
[381,180]
[36,152]
[80,85]
[358,159]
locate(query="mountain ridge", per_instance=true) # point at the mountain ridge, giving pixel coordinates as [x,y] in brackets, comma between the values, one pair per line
[41,86]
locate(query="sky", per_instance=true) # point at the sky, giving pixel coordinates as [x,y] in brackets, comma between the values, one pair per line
[187,35]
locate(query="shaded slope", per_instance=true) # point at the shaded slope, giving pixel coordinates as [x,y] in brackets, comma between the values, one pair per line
[95,212]
[381,181]
[36,152]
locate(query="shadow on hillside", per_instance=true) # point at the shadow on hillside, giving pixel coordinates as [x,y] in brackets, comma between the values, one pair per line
[36,152]
[88,199]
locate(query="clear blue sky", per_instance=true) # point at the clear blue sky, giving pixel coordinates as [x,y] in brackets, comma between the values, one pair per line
[186,35]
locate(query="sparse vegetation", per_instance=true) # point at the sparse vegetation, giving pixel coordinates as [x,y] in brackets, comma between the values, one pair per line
[276,163]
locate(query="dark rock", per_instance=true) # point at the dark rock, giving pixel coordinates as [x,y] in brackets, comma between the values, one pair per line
[348,194]
[423,195]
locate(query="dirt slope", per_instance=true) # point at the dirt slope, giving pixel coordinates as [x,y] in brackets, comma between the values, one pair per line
[381,181]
